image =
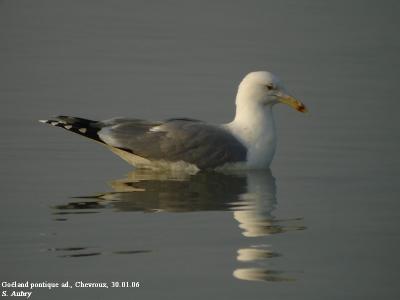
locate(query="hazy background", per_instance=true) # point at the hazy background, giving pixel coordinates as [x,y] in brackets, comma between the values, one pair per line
[336,167]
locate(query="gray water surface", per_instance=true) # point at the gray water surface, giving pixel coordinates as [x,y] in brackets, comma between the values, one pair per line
[322,223]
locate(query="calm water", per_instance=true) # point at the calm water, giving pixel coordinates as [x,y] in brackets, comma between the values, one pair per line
[324,222]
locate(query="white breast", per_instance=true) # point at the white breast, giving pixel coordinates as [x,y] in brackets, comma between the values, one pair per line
[256,131]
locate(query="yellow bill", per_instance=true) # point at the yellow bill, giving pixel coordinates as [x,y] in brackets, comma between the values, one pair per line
[292,102]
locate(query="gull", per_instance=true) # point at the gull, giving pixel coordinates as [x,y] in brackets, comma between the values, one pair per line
[248,142]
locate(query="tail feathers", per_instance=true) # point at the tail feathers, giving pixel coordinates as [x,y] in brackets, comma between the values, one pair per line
[84,127]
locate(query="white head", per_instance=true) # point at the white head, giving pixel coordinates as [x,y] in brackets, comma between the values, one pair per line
[263,88]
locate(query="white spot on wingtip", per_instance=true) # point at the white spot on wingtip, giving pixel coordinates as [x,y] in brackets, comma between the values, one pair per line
[68,127]
[54,123]
[43,121]
[83,130]
[156,129]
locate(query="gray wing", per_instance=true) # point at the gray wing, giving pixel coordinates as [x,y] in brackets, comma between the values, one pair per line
[205,145]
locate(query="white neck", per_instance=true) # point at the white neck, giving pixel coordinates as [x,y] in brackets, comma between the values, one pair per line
[255,127]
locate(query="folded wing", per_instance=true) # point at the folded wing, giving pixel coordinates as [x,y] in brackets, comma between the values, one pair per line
[205,145]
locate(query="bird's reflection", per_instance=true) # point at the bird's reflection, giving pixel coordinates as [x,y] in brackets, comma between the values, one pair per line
[250,195]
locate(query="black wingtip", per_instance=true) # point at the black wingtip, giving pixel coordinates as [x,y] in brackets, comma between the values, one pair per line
[84,127]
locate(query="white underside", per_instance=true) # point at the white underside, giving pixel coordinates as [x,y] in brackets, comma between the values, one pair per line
[143,163]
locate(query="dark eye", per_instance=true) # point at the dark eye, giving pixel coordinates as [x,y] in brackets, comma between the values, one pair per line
[270,87]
